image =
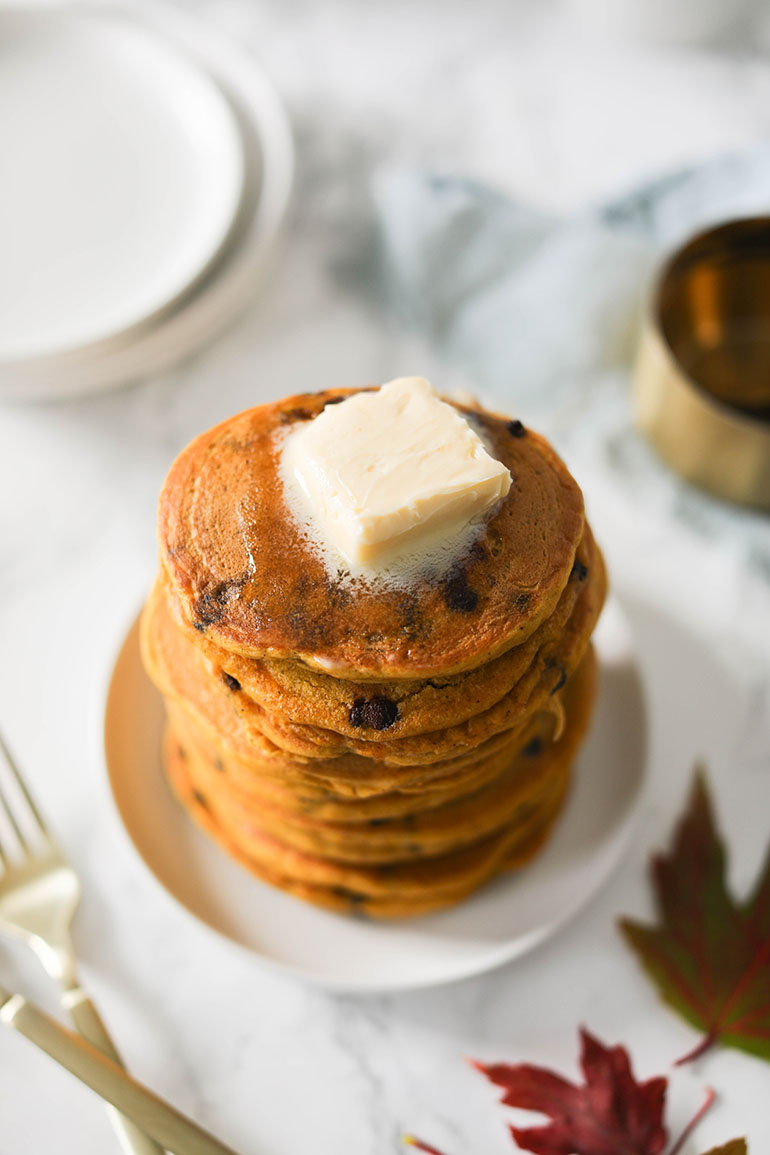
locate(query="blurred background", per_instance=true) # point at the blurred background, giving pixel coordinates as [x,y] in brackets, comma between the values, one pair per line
[560,102]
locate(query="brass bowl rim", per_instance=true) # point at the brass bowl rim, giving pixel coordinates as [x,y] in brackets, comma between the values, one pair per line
[690,247]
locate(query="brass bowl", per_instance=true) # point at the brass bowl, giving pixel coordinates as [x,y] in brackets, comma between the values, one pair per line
[702,378]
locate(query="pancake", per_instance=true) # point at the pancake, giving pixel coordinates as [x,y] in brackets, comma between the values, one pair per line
[379,746]
[389,891]
[174,663]
[295,692]
[244,575]
[350,774]
[333,801]
[435,830]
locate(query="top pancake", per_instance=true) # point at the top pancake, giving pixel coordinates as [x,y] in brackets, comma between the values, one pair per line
[244,575]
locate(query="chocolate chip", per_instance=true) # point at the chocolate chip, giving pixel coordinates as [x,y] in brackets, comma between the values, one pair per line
[579,571]
[561,681]
[356,713]
[516,429]
[352,896]
[200,799]
[209,608]
[337,592]
[298,414]
[459,596]
[533,747]
[375,713]
[231,682]
[207,613]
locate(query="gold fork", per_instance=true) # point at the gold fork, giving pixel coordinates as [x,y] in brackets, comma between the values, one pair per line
[39,893]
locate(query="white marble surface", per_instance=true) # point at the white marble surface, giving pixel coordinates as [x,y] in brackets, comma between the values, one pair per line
[511,93]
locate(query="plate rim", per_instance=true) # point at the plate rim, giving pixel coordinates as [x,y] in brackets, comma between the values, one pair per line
[487,960]
[189,268]
[230,285]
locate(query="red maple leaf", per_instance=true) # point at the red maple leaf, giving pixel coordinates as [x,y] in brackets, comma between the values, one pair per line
[610,1114]
[710,955]
[734,1147]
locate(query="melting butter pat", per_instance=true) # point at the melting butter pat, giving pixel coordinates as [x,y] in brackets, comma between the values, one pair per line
[384,470]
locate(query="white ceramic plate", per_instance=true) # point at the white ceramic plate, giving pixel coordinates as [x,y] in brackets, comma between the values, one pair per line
[228,286]
[504,920]
[122,175]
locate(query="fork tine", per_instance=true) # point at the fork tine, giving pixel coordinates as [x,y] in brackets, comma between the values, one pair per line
[16,774]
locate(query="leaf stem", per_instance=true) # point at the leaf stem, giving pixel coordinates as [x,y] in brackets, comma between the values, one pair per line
[704,1045]
[710,1097]
[412,1141]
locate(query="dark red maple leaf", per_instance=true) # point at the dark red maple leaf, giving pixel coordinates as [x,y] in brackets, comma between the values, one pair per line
[734,1147]
[611,1114]
[710,955]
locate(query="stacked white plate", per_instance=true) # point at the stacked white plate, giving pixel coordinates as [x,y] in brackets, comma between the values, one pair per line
[147,166]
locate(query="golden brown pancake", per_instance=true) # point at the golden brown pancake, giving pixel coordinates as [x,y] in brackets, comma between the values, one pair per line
[389,891]
[243,574]
[209,712]
[332,801]
[437,829]
[304,696]
[369,747]
[173,658]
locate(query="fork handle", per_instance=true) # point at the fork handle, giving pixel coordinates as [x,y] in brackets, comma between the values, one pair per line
[89,1023]
[174,1130]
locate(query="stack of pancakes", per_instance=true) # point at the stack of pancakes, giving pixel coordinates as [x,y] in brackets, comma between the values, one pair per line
[370,747]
